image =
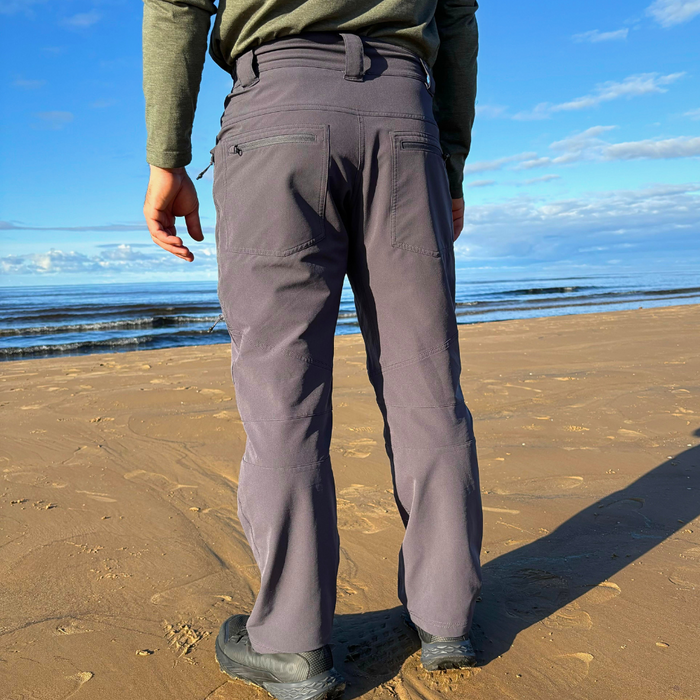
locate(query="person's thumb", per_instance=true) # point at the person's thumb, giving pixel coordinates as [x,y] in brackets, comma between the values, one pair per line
[194,225]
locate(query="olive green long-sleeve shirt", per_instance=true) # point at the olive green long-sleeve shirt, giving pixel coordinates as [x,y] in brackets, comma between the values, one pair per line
[442,32]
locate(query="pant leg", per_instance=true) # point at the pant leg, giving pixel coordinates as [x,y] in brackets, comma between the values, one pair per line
[401,267]
[279,186]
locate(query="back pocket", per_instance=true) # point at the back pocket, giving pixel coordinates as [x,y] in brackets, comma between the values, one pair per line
[273,196]
[421,207]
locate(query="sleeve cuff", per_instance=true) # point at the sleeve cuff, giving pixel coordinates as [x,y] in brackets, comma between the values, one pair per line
[168,159]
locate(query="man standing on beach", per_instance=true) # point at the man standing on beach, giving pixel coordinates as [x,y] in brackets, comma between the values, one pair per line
[341,151]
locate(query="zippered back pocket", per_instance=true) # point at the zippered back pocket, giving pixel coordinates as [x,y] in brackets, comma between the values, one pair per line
[241,147]
[273,196]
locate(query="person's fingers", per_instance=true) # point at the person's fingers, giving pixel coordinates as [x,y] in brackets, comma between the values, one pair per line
[180,252]
[194,225]
[457,217]
[166,239]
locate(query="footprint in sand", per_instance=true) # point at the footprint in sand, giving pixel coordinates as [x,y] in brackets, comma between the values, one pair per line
[72,627]
[552,486]
[364,508]
[569,617]
[60,681]
[182,637]
[556,676]
[534,593]
[693,554]
[351,593]
[158,480]
[686,577]
[361,448]
[602,593]
[415,683]
[27,478]
[374,645]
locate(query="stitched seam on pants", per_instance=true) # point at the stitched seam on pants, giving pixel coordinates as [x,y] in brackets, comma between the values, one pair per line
[308,466]
[360,161]
[442,405]
[285,420]
[242,517]
[433,447]
[420,77]
[301,358]
[326,108]
[421,356]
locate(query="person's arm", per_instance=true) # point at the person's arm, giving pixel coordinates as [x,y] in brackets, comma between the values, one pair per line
[174,48]
[455,83]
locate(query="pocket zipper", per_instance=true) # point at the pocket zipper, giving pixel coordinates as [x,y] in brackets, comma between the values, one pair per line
[240,148]
[424,146]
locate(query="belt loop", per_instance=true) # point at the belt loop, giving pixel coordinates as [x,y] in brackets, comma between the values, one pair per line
[354,57]
[245,69]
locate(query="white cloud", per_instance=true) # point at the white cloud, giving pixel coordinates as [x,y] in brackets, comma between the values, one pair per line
[483,166]
[595,36]
[632,86]
[115,259]
[490,111]
[670,12]
[588,146]
[103,104]
[83,19]
[481,183]
[28,84]
[661,217]
[538,180]
[96,228]
[53,120]
[655,149]
[14,7]
[693,114]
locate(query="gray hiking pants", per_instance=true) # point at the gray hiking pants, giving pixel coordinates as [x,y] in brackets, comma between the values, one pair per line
[329,163]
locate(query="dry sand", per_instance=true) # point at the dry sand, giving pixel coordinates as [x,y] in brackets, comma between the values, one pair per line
[121,552]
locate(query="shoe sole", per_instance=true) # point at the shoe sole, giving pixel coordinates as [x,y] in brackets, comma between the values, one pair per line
[442,656]
[444,660]
[328,685]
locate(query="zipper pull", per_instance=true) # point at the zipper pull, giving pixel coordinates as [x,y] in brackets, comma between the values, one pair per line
[211,162]
[221,318]
[237,150]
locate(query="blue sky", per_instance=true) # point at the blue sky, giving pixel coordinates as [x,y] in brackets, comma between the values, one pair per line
[586,151]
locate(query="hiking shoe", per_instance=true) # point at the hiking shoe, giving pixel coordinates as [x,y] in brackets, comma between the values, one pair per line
[439,653]
[305,676]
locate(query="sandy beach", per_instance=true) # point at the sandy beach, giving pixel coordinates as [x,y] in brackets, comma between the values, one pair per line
[121,551]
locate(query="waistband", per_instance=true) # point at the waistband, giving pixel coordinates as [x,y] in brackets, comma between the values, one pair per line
[358,57]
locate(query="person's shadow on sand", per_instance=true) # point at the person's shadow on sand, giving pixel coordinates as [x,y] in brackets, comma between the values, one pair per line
[540,579]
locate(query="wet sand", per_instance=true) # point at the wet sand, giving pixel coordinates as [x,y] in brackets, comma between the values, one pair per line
[121,551]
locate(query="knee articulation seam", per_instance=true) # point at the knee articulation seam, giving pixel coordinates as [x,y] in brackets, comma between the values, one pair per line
[284,420]
[295,467]
[414,360]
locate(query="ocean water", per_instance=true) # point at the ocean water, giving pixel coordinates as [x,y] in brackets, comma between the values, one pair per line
[74,320]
